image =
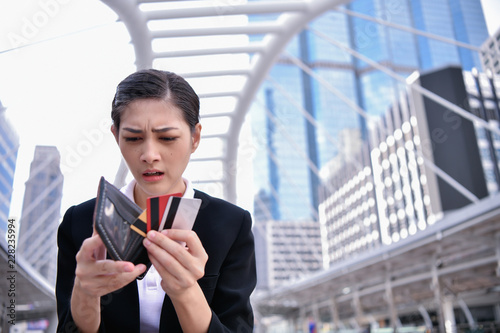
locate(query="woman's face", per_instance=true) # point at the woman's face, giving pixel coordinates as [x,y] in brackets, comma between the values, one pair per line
[156,142]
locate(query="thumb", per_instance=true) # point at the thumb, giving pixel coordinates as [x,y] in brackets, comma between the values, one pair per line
[100,250]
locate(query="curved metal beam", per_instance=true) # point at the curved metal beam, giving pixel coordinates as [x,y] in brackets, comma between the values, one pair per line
[137,26]
[212,9]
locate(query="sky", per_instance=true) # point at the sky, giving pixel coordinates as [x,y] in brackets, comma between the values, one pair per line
[59,92]
[60,61]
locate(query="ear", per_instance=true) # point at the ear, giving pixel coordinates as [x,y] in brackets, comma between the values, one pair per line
[114,130]
[196,136]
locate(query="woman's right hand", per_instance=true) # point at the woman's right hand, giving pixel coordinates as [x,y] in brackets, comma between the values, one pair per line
[97,276]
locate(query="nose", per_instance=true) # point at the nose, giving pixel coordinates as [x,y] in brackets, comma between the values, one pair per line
[150,152]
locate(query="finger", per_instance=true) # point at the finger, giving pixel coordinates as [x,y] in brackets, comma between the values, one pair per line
[164,273]
[183,271]
[189,237]
[173,281]
[174,259]
[90,249]
[100,252]
[159,248]
[194,248]
[171,246]
[194,263]
[103,284]
[95,269]
[109,267]
[119,275]
[170,270]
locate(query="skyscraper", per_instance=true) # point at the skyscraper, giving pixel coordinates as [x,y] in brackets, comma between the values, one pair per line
[308,111]
[9,146]
[41,212]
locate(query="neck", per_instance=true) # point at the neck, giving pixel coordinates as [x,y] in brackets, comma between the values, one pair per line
[140,197]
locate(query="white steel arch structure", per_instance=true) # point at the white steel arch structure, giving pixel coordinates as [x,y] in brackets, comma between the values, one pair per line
[291,17]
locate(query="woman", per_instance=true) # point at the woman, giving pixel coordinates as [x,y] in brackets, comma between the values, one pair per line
[201,287]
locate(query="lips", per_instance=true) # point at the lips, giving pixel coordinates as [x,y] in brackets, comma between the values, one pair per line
[152,175]
[156,173]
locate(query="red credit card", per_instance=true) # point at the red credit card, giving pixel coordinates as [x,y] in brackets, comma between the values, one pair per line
[156,208]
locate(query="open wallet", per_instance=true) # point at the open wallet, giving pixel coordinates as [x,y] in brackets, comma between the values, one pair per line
[122,224]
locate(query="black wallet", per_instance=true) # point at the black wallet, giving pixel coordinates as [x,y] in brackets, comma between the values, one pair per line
[114,214]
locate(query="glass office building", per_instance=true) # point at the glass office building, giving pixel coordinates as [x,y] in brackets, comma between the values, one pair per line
[299,119]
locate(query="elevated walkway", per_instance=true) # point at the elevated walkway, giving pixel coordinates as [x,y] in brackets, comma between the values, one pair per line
[454,263]
[25,295]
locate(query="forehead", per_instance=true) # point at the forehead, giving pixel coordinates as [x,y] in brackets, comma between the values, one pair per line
[147,110]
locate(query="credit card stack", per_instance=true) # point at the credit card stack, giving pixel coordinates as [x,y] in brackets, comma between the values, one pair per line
[166,212]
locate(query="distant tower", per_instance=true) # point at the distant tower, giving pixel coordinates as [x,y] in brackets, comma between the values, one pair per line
[9,145]
[41,212]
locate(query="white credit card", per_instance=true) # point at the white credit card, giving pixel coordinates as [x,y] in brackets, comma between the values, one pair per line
[180,213]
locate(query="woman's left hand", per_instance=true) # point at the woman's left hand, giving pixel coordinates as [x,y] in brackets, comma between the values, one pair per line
[180,266]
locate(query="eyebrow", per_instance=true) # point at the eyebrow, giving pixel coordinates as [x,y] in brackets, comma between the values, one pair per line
[155,130]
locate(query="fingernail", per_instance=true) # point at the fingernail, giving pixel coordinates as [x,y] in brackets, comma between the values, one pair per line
[152,234]
[146,242]
[129,268]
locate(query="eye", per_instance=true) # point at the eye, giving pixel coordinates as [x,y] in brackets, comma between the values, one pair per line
[132,139]
[168,138]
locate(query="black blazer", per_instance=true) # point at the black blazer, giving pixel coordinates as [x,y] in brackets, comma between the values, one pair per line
[230,275]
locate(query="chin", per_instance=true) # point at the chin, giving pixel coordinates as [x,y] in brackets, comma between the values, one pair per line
[160,189]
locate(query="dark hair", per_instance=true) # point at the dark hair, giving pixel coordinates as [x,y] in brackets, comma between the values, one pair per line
[152,83]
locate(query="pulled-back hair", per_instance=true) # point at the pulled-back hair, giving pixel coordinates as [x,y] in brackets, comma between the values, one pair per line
[156,84]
